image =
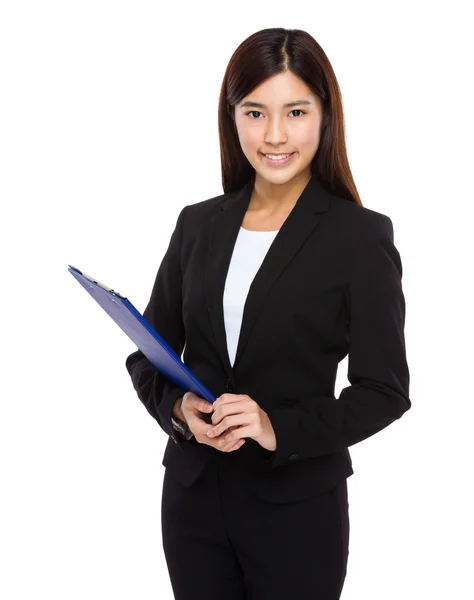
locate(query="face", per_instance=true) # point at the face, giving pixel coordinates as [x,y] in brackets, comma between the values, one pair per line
[266,126]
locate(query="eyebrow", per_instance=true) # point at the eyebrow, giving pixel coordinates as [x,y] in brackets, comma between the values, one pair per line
[287,105]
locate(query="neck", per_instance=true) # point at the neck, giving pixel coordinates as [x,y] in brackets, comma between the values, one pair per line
[269,197]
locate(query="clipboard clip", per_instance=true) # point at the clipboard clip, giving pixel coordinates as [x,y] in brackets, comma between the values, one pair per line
[97,282]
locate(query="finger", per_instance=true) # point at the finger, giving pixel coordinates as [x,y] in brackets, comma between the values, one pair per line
[243,432]
[229,445]
[199,424]
[218,444]
[237,407]
[224,443]
[227,422]
[197,402]
[227,399]
[227,411]
[200,429]
[234,446]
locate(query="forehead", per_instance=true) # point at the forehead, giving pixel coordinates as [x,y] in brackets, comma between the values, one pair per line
[280,91]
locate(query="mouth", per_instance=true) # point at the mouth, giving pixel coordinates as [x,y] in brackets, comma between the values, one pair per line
[277,159]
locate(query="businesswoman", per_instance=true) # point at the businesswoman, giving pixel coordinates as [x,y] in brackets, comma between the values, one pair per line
[266,288]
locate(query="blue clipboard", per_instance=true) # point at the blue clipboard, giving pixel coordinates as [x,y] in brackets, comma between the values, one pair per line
[139,330]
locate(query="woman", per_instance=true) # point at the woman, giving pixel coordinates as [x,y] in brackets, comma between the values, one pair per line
[267,288]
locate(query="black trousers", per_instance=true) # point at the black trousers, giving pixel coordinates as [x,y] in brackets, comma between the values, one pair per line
[222,542]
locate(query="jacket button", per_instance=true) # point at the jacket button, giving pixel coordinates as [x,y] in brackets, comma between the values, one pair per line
[230,387]
[293,456]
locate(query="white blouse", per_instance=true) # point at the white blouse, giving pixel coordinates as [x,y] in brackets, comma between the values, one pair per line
[248,254]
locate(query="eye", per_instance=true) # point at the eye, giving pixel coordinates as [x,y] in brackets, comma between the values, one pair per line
[294,110]
[253,111]
[299,110]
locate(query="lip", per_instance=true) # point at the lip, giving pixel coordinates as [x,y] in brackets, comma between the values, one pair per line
[277,163]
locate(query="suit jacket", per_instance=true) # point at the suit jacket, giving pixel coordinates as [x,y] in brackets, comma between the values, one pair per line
[330,285]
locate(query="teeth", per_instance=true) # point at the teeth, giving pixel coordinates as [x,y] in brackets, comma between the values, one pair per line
[277,156]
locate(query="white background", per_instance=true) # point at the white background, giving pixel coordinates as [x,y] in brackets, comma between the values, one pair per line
[108,128]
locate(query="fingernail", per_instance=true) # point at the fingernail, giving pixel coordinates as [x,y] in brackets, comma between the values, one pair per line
[210,433]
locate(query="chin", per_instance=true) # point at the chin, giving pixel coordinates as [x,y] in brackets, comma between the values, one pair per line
[278,179]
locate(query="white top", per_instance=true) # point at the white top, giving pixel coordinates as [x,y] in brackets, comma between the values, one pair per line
[249,251]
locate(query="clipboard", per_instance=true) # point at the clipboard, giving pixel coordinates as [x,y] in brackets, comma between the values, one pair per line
[140,331]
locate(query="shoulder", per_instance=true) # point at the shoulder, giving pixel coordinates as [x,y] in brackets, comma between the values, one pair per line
[196,217]
[359,224]
[368,236]
[204,207]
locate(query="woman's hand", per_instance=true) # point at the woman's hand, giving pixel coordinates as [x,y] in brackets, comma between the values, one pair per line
[242,417]
[193,407]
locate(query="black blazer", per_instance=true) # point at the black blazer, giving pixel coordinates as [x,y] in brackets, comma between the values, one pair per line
[330,285]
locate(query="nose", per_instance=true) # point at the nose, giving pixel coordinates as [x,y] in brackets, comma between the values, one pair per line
[275,132]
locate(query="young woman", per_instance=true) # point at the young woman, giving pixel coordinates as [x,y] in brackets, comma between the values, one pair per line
[267,287]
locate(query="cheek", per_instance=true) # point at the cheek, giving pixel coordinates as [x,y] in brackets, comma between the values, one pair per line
[307,140]
[250,140]
[249,137]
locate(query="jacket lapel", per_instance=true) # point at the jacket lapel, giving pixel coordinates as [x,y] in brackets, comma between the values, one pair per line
[225,227]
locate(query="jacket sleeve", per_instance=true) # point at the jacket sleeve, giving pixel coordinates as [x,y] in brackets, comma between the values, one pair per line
[164,313]
[377,366]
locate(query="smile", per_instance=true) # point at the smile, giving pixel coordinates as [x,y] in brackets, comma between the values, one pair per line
[277,159]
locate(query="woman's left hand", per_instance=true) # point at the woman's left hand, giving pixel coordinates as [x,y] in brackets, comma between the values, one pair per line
[242,411]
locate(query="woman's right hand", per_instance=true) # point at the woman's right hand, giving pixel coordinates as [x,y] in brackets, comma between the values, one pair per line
[193,407]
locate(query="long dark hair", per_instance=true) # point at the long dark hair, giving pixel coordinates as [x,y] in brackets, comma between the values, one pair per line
[262,55]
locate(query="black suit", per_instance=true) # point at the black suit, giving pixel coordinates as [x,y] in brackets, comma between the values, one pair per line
[329,285]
